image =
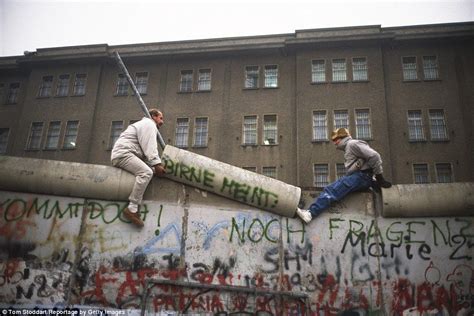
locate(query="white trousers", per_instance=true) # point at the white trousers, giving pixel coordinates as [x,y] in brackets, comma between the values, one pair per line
[142,172]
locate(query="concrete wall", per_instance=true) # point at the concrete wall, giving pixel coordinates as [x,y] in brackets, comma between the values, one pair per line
[56,250]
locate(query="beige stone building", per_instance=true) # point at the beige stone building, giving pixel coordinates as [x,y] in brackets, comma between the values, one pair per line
[265,103]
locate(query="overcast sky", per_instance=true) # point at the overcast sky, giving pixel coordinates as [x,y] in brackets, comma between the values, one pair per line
[26,25]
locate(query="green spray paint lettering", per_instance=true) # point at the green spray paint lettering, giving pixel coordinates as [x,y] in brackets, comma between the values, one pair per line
[248,194]
[188,173]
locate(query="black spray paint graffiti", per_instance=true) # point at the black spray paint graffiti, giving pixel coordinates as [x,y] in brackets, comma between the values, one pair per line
[400,239]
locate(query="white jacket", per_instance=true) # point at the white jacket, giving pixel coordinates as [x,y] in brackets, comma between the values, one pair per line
[139,139]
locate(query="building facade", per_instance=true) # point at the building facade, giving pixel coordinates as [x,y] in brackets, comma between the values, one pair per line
[263,103]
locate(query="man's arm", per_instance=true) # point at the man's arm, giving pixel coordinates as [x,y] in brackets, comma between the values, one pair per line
[146,135]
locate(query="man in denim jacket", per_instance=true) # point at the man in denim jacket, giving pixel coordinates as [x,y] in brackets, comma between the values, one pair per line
[361,162]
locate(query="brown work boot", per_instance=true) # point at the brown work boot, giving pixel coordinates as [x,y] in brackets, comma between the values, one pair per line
[133,217]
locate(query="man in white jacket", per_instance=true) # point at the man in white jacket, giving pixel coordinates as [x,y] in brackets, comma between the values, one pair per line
[136,151]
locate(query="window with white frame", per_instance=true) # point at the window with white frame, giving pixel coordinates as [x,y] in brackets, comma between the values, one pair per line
[430,68]
[182,132]
[320,125]
[420,173]
[341,119]
[359,69]
[62,88]
[52,136]
[340,170]
[363,125]
[318,70]
[45,87]
[251,77]
[409,68]
[141,82]
[438,128]
[253,169]
[270,172]
[321,175]
[339,70]
[115,130]
[200,131]
[4,133]
[70,135]
[250,130]
[444,173]
[122,85]
[271,76]
[13,91]
[80,84]
[270,130]
[186,81]
[415,126]
[34,137]
[204,80]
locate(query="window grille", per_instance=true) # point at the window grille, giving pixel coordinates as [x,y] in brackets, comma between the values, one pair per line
[318,71]
[200,132]
[70,136]
[444,173]
[269,172]
[320,126]
[340,170]
[45,87]
[363,126]
[141,82]
[271,76]
[34,138]
[339,70]
[409,68]
[250,130]
[251,76]
[415,126]
[420,172]
[270,130]
[62,89]
[80,84]
[341,119]
[204,80]
[13,91]
[359,69]
[52,137]
[430,67]
[186,81]
[182,132]
[321,175]
[122,85]
[438,129]
[115,131]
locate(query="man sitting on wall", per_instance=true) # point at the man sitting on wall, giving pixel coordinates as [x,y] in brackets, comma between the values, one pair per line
[136,151]
[361,162]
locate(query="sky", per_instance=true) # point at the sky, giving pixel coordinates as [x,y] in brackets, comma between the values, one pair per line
[27,25]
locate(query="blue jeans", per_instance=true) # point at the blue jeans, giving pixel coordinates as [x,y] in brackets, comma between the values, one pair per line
[337,190]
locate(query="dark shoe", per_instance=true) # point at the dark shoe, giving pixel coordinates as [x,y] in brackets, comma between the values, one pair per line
[133,217]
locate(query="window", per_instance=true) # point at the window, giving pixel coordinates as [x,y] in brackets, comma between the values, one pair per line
[122,85]
[250,130]
[318,70]
[415,126]
[438,125]
[204,80]
[444,173]
[420,173]
[115,130]
[320,126]
[409,68]
[186,81]
[339,70]
[271,76]
[430,67]
[13,91]
[45,87]
[62,89]
[52,137]
[4,133]
[321,175]
[359,69]
[362,121]
[200,132]
[182,132]
[34,138]
[253,169]
[80,84]
[70,135]
[141,82]
[251,77]
[340,170]
[341,119]
[270,130]
[269,172]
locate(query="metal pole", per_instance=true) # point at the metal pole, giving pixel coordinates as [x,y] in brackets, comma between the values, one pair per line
[137,94]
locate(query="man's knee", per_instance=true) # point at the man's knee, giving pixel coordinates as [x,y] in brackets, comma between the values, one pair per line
[146,174]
